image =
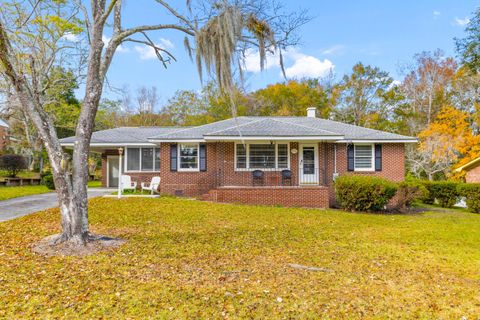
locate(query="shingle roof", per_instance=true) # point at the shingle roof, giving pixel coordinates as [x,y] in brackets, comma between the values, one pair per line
[280,126]
[3,123]
[316,128]
[271,127]
[125,135]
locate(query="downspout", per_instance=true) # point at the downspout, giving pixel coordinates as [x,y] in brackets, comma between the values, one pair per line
[334,159]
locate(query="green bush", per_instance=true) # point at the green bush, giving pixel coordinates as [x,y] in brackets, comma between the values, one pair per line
[410,191]
[445,192]
[47,180]
[363,193]
[471,192]
[428,197]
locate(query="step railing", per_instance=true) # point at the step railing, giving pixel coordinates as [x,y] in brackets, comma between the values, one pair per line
[267,177]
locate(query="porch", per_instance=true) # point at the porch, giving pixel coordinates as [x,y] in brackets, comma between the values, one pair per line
[287,196]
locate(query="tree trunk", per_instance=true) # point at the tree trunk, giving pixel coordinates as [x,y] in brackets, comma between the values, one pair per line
[74,228]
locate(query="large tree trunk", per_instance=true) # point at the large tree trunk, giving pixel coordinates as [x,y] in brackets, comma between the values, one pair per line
[74,227]
[86,121]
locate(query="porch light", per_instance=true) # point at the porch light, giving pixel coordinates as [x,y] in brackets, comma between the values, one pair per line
[294,151]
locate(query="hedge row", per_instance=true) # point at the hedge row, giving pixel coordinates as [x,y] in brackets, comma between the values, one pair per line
[366,193]
[444,192]
[471,192]
[447,193]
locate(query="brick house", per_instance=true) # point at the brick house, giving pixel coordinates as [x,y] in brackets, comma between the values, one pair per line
[4,140]
[472,171]
[289,161]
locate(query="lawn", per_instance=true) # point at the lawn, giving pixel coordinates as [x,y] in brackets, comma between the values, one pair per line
[94,184]
[20,191]
[191,259]
[21,174]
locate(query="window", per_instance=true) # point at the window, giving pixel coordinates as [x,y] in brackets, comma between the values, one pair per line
[282,156]
[147,159]
[261,156]
[133,159]
[363,158]
[188,157]
[142,159]
[241,156]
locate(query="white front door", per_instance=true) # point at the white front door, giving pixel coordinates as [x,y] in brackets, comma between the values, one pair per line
[308,165]
[112,171]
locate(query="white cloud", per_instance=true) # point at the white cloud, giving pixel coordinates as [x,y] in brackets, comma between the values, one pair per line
[71,37]
[461,22]
[436,14]
[165,44]
[251,62]
[336,49]
[395,83]
[298,65]
[106,41]
[148,53]
[305,66]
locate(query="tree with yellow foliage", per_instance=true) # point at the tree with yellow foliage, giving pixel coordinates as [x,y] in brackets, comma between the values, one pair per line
[443,143]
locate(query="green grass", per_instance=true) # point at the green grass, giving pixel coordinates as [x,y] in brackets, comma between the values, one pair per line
[197,260]
[21,174]
[94,184]
[20,191]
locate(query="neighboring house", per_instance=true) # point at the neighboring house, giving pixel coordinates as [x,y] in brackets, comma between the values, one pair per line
[290,161]
[472,171]
[4,140]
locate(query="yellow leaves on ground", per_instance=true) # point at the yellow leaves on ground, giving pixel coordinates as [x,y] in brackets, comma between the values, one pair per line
[191,259]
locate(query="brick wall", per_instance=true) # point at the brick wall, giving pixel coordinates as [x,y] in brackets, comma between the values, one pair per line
[221,172]
[308,197]
[473,175]
[393,164]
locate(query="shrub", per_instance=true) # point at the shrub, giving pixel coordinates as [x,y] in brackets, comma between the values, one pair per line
[471,192]
[363,193]
[428,198]
[409,191]
[13,163]
[445,192]
[47,180]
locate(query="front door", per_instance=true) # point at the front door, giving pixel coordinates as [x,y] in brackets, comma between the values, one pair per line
[308,164]
[112,171]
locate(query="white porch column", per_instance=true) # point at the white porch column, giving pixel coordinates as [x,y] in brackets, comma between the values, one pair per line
[120,152]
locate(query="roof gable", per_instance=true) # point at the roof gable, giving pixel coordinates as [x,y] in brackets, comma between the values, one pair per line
[271,127]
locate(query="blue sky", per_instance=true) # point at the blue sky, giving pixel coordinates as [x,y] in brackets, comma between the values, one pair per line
[381,33]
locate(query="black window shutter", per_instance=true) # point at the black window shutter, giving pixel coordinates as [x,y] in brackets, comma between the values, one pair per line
[203,157]
[351,157]
[173,157]
[378,157]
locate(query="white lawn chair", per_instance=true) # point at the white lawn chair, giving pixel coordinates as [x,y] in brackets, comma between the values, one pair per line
[127,184]
[152,186]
